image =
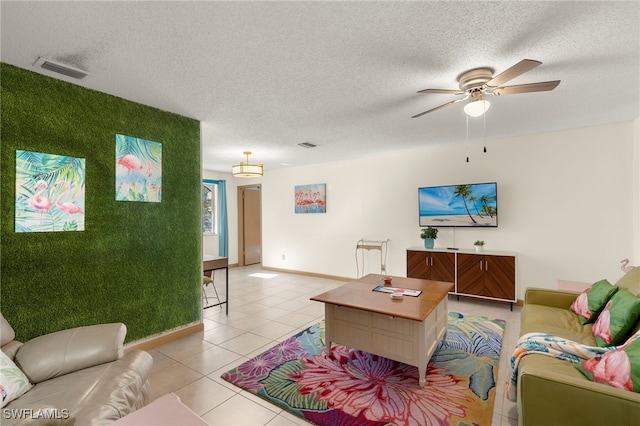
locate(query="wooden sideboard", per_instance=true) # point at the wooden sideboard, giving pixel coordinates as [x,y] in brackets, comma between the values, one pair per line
[488,274]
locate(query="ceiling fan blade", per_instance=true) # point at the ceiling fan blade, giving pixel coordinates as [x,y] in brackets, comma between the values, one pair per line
[443,91]
[526,88]
[439,107]
[511,73]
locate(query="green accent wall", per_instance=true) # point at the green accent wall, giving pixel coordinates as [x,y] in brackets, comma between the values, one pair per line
[135,262]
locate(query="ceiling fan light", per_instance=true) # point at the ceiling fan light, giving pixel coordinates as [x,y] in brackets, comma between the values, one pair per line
[477,108]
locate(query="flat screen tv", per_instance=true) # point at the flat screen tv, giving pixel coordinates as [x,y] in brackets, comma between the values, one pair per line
[473,205]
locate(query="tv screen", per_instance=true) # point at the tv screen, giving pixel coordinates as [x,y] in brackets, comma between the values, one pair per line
[459,205]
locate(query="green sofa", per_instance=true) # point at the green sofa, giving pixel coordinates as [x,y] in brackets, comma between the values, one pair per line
[555,392]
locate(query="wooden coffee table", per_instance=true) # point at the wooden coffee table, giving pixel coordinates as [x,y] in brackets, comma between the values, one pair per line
[405,330]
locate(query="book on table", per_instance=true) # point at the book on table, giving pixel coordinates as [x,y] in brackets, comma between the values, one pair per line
[405,291]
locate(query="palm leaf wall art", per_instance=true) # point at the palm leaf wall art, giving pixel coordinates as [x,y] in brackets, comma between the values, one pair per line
[50,192]
[138,169]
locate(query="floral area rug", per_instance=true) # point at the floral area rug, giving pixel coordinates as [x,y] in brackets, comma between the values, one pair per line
[357,388]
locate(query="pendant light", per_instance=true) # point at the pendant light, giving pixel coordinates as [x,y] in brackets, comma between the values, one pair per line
[246,170]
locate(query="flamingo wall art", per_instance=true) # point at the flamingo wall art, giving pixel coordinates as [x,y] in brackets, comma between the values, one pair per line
[138,169]
[50,192]
[311,198]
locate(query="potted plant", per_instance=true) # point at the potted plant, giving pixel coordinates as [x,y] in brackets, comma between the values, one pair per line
[429,234]
[479,245]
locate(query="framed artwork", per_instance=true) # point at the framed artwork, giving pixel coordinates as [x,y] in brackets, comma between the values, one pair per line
[50,192]
[138,169]
[311,198]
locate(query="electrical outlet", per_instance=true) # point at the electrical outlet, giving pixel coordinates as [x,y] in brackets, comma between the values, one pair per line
[283,257]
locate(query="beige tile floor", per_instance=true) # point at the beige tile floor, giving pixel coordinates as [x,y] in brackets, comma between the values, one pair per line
[267,307]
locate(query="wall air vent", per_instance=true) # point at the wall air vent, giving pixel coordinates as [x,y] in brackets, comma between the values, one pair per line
[60,68]
[307,145]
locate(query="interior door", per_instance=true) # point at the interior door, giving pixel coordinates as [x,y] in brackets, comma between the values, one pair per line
[251,235]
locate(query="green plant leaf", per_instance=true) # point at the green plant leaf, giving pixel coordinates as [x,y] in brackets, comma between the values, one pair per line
[482,381]
[278,385]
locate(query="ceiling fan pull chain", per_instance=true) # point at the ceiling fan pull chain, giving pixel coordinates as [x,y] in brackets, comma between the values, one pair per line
[484,131]
[467,142]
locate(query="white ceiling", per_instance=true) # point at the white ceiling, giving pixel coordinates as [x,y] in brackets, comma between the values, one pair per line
[265,76]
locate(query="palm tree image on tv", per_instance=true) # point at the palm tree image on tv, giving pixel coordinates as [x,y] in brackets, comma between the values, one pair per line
[459,205]
[486,208]
[464,192]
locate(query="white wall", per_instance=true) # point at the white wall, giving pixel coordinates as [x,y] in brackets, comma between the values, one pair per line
[636,191]
[568,205]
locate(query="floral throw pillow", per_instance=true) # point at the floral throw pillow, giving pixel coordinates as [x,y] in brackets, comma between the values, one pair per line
[13,382]
[617,319]
[591,301]
[619,368]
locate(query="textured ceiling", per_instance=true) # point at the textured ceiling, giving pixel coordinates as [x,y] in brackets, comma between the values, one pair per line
[266,76]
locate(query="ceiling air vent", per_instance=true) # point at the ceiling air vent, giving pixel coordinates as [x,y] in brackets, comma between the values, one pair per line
[60,68]
[307,145]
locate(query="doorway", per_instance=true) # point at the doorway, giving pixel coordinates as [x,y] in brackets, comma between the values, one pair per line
[249,225]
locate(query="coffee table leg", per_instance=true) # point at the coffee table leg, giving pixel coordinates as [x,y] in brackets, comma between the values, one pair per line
[423,360]
[328,322]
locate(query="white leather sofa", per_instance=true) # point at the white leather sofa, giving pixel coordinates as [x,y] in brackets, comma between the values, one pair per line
[80,376]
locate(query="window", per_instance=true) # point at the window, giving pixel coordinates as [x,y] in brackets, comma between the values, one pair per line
[210,209]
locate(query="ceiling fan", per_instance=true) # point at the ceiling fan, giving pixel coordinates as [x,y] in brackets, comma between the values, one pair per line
[478,82]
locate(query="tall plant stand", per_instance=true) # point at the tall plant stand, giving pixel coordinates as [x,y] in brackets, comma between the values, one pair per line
[366,245]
